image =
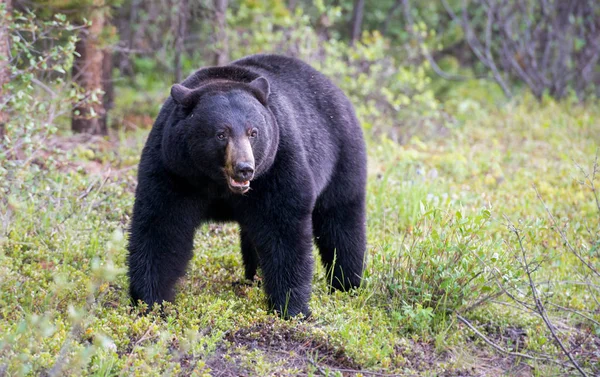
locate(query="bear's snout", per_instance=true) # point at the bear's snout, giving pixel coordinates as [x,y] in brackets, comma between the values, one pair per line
[239,182]
[244,171]
[239,165]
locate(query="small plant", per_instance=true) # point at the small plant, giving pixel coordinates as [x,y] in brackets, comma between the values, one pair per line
[443,264]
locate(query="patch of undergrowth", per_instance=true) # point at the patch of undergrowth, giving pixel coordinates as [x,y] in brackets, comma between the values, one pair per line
[438,246]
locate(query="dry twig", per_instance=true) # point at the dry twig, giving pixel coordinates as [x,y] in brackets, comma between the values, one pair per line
[538,303]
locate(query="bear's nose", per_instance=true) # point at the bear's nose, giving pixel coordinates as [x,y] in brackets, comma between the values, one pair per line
[243,171]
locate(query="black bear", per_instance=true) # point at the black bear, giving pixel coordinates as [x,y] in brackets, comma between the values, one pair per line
[270,143]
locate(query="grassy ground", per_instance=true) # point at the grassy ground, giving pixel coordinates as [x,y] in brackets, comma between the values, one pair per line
[439,246]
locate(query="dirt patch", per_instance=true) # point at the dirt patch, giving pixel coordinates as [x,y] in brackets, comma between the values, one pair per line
[278,350]
[417,356]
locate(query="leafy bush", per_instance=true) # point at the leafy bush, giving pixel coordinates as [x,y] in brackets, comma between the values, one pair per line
[41,93]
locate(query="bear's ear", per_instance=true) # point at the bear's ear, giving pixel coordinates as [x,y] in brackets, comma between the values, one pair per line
[262,85]
[181,95]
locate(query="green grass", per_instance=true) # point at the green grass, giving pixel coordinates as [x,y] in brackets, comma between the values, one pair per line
[438,243]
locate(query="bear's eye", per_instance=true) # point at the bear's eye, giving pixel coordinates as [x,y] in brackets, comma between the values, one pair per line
[253,133]
[221,136]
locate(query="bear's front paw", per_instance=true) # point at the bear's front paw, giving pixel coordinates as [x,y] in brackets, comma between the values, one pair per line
[145,296]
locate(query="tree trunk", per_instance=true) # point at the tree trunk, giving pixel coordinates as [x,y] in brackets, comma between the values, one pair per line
[90,116]
[4,63]
[108,99]
[126,24]
[357,16]
[222,51]
[182,12]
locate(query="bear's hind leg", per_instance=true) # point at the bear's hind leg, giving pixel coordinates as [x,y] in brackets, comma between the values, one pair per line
[249,256]
[339,232]
[284,245]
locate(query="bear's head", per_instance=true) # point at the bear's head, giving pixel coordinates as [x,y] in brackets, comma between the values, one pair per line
[222,130]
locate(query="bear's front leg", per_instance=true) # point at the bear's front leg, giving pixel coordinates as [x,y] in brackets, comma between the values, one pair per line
[160,242]
[284,244]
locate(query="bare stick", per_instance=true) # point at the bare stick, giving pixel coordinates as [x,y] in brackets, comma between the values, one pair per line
[538,303]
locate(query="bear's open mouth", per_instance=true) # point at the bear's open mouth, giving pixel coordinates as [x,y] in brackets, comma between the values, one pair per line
[238,187]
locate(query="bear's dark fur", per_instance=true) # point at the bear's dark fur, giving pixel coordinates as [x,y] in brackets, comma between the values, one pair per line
[273,123]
